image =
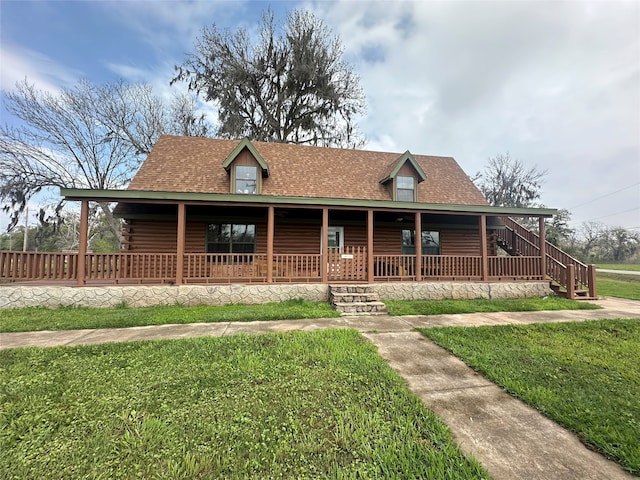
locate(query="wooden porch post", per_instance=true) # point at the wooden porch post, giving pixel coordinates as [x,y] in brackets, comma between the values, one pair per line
[418,240]
[325,247]
[82,245]
[270,233]
[543,248]
[484,248]
[571,281]
[370,277]
[591,276]
[182,223]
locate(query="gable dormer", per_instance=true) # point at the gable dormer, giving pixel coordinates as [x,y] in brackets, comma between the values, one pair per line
[402,178]
[246,169]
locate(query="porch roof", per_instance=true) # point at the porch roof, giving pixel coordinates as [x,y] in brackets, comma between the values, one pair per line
[141,196]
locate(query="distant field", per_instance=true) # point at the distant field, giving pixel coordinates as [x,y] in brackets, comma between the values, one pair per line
[618,285]
[619,266]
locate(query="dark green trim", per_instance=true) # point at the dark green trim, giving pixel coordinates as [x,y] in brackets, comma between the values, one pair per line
[406,157]
[246,143]
[131,196]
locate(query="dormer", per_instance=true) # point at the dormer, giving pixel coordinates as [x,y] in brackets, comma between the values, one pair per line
[246,169]
[402,178]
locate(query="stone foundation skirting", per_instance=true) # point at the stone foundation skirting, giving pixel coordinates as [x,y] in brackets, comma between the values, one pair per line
[144,296]
[17,296]
[461,290]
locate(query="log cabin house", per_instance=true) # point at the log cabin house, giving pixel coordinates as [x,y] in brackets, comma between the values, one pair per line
[204,210]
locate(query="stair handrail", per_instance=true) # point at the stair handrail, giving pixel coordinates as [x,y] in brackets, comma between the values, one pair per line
[581,270]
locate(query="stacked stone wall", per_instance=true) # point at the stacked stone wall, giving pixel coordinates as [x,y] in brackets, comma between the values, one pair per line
[461,290]
[16,296]
[143,296]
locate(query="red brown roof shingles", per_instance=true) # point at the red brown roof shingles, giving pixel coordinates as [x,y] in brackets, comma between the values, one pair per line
[194,164]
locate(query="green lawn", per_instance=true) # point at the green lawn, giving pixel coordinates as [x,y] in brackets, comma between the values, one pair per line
[439,307]
[67,318]
[585,376]
[618,285]
[295,405]
[620,266]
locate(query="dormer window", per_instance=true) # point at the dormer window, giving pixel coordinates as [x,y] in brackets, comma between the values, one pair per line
[246,169]
[246,179]
[402,178]
[405,189]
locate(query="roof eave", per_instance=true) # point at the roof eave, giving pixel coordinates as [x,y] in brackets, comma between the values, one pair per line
[144,195]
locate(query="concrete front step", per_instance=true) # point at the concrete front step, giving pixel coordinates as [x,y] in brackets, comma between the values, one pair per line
[361,308]
[354,297]
[356,300]
[351,288]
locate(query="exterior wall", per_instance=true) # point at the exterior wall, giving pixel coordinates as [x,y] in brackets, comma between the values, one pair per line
[139,296]
[289,238]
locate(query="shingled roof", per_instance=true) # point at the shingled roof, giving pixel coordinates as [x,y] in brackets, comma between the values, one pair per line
[194,164]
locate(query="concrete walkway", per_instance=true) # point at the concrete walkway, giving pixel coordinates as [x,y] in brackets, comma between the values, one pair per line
[510,439]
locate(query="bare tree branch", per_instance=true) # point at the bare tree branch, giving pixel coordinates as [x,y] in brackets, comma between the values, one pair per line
[88,136]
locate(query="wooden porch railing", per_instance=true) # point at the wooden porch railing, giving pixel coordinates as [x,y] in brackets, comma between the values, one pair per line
[523,242]
[246,268]
[38,266]
[516,268]
[433,267]
[131,266]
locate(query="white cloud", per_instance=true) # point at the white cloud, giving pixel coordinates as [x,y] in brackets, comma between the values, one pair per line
[19,63]
[556,84]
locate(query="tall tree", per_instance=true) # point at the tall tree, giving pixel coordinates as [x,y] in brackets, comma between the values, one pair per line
[558,231]
[289,86]
[87,136]
[506,182]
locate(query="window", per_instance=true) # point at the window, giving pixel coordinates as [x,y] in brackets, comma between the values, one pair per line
[430,242]
[246,179]
[335,236]
[226,238]
[405,189]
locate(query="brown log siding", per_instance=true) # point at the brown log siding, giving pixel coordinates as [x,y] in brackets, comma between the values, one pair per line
[159,236]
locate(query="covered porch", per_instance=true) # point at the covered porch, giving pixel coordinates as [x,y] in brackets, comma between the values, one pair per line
[292,243]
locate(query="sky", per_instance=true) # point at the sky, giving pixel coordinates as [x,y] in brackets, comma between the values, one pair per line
[554,84]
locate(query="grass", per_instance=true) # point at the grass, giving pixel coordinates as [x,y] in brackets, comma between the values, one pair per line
[294,405]
[441,307]
[68,318]
[618,285]
[585,376]
[620,266]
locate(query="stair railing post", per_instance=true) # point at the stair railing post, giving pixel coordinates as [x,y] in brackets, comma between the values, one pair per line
[571,281]
[591,276]
[543,252]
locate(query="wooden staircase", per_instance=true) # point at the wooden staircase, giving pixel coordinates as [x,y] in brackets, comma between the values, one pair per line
[356,300]
[568,277]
